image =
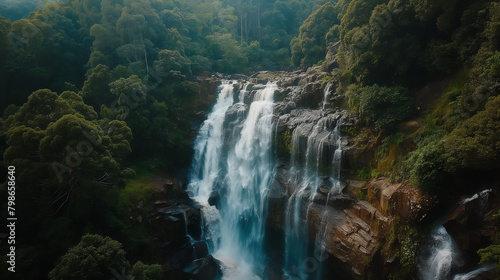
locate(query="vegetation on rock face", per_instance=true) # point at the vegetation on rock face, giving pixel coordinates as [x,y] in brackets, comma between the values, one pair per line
[382,106]
[475,144]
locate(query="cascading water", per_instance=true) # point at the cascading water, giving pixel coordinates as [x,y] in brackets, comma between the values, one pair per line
[441,253]
[208,146]
[326,95]
[475,273]
[438,259]
[315,171]
[242,173]
[250,171]
[320,240]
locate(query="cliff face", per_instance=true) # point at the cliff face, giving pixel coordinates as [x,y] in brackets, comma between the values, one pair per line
[355,232]
[319,148]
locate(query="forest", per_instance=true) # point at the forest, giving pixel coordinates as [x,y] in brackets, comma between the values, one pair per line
[98,96]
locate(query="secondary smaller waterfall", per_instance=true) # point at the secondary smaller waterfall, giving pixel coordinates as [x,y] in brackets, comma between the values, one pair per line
[441,254]
[473,274]
[315,162]
[438,260]
[326,95]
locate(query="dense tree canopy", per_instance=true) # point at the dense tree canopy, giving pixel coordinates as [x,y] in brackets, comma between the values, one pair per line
[95,257]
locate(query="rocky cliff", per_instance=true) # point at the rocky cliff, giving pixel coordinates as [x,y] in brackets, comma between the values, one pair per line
[361,225]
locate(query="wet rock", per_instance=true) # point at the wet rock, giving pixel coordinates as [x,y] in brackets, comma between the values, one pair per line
[238,77]
[214,198]
[180,258]
[194,222]
[236,112]
[402,200]
[340,201]
[277,201]
[201,249]
[465,223]
[209,86]
[358,153]
[207,268]
[273,272]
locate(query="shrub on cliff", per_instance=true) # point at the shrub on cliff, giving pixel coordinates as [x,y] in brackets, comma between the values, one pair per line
[426,167]
[384,107]
[475,144]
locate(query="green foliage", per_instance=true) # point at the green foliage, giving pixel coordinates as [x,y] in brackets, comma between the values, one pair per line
[142,271]
[310,46]
[364,173]
[171,60]
[410,239]
[95,257]
[492,68]
[385,107]
[361,194]
[475,143]
[325,80]
[490,254]
[426,166]
[227,54]
[95,90]
[284,144]
[354,92]
[137,191]
[128,173]
[187,90]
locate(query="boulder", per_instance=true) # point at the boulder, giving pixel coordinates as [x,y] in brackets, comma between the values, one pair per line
[207,268]
[465,223]
[194,222]
[340,201]
[402,200]
[200,249]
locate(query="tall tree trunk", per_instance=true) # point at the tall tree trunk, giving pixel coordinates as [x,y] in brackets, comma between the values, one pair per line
[246,28]
[258,21]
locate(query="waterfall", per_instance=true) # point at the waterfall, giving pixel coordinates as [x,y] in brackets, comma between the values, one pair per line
[475,273]
[440,254]
[309,170]
[250,172]
[208,146]
[438,260]
[326,95]
[320,251]
[238,164]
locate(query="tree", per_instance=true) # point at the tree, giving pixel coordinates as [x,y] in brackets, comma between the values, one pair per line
[43,107]
[93,258]
[169,60]
[427,168]
[96,89]
[310,46]
[475,144]
[121,136]
[382,106]
[76,102]
[105,40]
[142,271]
[130,92]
